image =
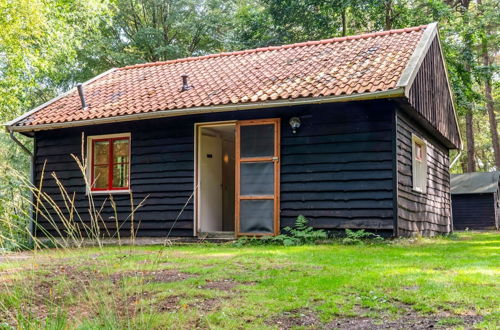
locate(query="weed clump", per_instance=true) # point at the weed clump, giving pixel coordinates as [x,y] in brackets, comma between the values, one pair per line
[299,234]
[357,237]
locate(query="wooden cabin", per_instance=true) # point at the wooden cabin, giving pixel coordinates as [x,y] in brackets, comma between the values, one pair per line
[475,200]
[351,132]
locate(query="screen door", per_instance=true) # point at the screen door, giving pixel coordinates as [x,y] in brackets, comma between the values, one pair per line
[257,177]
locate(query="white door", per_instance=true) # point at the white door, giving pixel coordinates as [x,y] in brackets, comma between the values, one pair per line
[210,183]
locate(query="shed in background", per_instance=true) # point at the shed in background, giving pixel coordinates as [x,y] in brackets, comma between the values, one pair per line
[475,200]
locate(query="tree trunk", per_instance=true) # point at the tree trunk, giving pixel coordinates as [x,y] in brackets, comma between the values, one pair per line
[344,22]
[388,14]
[490,105]
[463,165]
[471,150]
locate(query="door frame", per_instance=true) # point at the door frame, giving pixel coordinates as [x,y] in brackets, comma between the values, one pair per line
[276,160]
[197,168]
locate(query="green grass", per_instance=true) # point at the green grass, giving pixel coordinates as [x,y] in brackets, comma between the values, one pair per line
[449,283]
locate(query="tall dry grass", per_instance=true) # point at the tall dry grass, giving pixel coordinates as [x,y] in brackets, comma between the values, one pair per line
[19,304]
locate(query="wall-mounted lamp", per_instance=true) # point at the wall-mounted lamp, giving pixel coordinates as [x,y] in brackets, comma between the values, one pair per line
[294,124]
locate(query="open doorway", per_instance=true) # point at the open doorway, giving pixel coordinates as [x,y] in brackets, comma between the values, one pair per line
[216,179]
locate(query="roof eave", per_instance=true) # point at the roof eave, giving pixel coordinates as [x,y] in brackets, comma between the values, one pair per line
[391,93]
[11,124]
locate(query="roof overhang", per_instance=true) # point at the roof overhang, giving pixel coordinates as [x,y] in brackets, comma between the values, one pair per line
[393,93]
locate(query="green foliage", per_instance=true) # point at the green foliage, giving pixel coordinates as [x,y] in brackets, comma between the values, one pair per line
[14,211]
[300,234]
[356,237]
[156,30]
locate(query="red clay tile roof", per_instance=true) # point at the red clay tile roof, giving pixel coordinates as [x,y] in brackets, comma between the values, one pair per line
[340,66]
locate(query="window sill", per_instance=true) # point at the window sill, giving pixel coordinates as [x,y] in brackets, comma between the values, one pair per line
[417,190]
[109,192]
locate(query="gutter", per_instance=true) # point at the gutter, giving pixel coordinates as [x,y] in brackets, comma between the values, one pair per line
[392,93]
[453,162]
[31,226]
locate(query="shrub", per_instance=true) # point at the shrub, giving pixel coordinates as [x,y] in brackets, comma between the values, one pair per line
[354,237]
[301,233]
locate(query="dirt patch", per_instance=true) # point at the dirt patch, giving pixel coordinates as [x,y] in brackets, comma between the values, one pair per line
[411,320]
[206,305]
[407,322]
[43,294]
[67,286]
[169,304]
[223,285]
[130,306]
[17,256]
[160,276]
[296,318]
[172,304]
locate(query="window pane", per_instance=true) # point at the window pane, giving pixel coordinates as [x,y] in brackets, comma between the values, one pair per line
[120,176]
[257,140]
[101,149]
[120,151]
[101,177]
[257,216]
[418,151]
[257,178]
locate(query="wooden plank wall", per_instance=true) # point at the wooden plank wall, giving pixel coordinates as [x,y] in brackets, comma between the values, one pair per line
[161,176]
[428,213]
[337,169]
[430,96]
[474,211]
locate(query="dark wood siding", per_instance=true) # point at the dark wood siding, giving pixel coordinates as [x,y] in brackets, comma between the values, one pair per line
[428,213]
[337,169]
[430,95]
[474,211]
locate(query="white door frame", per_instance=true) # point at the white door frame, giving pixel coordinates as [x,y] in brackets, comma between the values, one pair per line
[197,136]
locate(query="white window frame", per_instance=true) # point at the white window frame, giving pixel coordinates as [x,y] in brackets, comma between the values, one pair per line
[419,166]
[88,163]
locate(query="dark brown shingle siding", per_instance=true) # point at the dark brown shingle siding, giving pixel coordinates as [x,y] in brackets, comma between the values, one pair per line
[430,95]
[428,213]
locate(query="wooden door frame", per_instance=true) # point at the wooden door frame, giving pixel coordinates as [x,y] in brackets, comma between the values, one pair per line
[275,159]
[197,144]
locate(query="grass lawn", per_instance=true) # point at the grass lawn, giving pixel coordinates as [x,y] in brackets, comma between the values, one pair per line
[401,284]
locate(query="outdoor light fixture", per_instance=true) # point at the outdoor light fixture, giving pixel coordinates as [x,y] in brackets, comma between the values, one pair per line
[294,124]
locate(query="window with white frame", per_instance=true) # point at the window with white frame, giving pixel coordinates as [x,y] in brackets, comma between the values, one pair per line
[419,164]
[109,162]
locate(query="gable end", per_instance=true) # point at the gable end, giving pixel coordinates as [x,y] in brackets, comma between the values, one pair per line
[430,95]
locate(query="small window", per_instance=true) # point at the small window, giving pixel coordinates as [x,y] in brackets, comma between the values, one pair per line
[419,164]
[109,162]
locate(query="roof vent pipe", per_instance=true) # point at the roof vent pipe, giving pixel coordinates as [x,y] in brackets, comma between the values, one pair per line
[185,85]
[82,96]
